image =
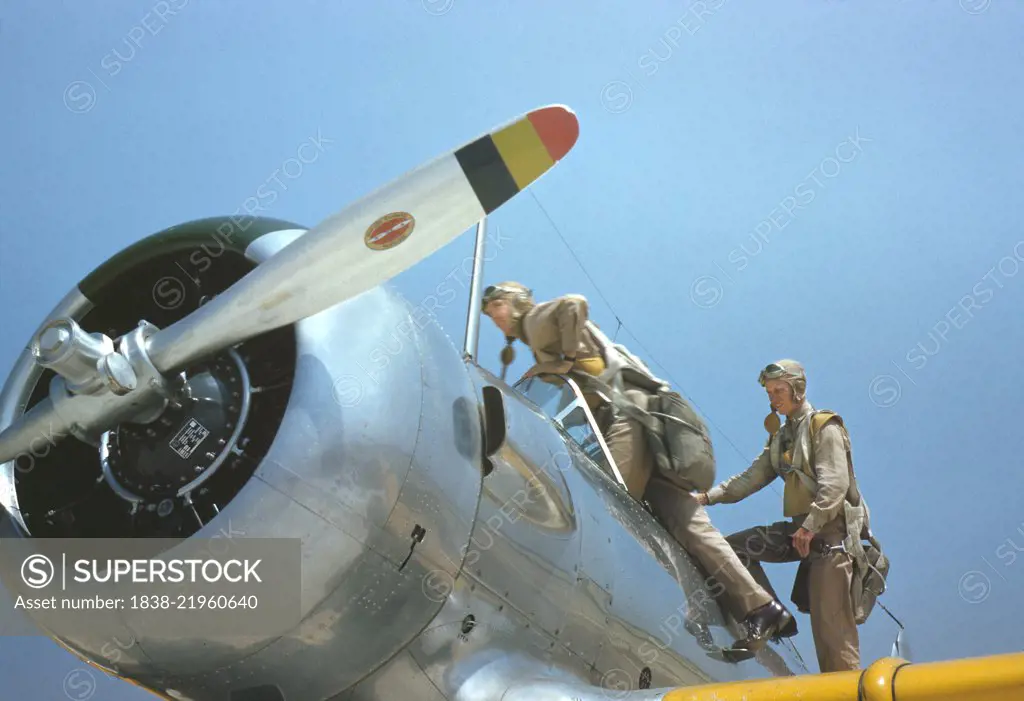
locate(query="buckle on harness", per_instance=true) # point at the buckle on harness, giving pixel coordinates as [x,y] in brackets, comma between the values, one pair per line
[826,549]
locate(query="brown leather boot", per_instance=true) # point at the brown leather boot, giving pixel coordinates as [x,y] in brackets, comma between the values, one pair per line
[762,624]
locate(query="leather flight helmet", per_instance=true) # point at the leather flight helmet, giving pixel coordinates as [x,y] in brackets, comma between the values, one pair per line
[792,373]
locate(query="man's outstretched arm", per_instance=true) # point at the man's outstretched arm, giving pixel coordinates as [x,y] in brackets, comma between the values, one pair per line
[756,477]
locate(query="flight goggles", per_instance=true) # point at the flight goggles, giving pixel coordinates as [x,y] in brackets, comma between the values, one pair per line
[492,291]
[772,371]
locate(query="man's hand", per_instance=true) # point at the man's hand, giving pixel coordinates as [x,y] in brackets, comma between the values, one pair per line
[802,541]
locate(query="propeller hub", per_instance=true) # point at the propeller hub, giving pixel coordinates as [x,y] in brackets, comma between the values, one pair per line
[52,339]
[87,362]
[117,374]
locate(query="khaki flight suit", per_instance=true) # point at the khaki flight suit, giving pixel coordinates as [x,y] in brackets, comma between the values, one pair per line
[833,624]
[555,329]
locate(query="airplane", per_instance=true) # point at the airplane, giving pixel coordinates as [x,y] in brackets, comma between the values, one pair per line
[242,380]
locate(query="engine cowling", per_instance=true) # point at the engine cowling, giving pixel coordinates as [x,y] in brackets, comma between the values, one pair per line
[136,485]
[355,431]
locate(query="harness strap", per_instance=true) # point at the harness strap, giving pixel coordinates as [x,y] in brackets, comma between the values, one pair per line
[809,482]
[615,396]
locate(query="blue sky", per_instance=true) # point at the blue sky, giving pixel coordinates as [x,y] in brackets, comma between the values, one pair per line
[830,181]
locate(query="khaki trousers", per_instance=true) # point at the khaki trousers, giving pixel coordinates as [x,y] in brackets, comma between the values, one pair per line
[836,639]
[680,513]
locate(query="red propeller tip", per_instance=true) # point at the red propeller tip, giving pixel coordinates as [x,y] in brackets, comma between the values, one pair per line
[557,127]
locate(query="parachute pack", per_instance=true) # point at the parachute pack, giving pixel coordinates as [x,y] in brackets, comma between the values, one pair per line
[677,436]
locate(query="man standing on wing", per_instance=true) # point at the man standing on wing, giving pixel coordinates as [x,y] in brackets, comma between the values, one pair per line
[812,454]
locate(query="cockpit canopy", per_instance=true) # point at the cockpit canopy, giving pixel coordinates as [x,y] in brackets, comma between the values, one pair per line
[561,399]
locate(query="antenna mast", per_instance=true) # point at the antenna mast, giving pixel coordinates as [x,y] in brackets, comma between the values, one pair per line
[475,295]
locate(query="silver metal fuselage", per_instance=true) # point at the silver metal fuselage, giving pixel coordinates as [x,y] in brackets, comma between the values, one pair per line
[543,567]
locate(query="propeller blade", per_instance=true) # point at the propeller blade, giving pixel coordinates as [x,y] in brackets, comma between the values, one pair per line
[32,433]
[376,238]
[360,247]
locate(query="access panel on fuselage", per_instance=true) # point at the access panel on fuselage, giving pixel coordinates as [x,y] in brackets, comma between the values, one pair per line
[526,542]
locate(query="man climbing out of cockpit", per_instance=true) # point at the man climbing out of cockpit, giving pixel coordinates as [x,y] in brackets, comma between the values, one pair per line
[563,341]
